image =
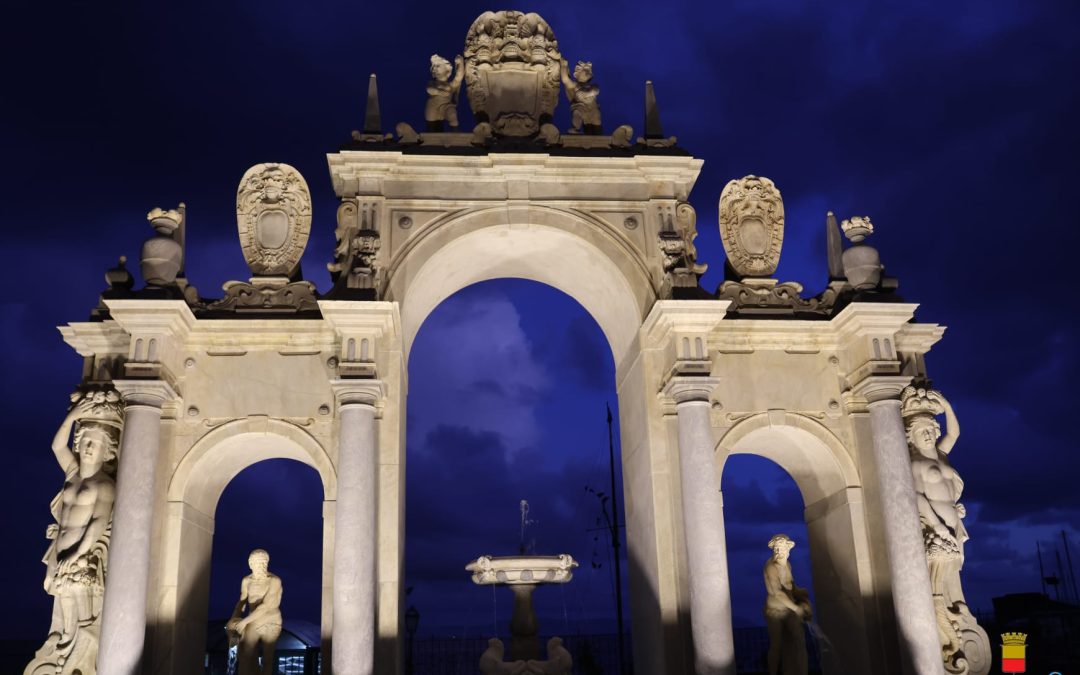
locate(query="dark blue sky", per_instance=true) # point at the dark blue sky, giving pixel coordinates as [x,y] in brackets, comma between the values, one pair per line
[954,126]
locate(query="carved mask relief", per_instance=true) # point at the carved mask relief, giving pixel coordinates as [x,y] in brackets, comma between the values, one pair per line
[273,215]
[752,225]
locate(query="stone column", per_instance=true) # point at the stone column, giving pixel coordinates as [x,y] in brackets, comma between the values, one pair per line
[123,616]
[920,648]
[355,537]
[703,523]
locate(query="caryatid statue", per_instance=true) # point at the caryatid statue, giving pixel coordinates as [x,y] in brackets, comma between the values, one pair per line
[443,92]
[965,647]
[786,608]
[77,558]
[582,93]
[259,631]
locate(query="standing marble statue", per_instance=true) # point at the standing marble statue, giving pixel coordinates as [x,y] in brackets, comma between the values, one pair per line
[260,592]
[786,607]
[442,92]
[582,93]
[77,558]
[965,647]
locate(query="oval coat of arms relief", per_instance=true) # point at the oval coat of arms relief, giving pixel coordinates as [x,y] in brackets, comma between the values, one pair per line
[752,225]
[273,215]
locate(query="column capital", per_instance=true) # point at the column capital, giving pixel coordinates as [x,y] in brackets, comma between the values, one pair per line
[687,388]
[153,393]
[879,388]
[358,391]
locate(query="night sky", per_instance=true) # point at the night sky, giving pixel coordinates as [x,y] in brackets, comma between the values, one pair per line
[953,125]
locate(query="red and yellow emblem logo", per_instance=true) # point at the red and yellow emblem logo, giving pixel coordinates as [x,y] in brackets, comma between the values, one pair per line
[1013,652]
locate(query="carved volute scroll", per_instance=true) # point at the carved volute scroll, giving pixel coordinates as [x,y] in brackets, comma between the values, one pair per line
[512,71]
[273,215]
[752,225]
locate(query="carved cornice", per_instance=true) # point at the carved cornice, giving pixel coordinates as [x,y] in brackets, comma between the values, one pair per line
[169,317]
[690,388]
[691,316]
[151,393]
[358,392]
[878,388]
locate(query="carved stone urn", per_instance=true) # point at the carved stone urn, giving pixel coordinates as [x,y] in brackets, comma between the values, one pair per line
[862,264]
[162,255]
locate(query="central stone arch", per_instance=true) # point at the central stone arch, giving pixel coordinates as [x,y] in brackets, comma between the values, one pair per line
[567,251]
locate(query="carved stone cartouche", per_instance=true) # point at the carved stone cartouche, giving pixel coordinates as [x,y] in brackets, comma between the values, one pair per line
[752,225]
[512,71]
[273,215]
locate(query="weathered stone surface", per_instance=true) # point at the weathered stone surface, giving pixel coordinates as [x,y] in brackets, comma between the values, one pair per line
[273,215]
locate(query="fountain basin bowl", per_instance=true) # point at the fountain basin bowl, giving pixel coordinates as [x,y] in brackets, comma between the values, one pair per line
[522,569]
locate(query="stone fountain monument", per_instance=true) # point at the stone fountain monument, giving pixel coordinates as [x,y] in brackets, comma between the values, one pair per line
[522,574]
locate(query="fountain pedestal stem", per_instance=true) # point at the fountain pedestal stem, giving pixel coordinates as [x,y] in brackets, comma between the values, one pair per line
[524,628]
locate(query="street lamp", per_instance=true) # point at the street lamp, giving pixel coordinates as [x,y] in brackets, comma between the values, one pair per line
[412,620]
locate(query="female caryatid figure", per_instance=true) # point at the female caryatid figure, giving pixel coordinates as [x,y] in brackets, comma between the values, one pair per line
[76,559]
[786,607]
[937,491]
[260,592]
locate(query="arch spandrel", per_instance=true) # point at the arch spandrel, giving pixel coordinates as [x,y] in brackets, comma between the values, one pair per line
[812,455]
[562,249]
[216,458]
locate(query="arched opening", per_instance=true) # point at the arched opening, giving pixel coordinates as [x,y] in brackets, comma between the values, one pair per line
[508,382]
[761,500]
[194,496]
[835,535]
[275,505]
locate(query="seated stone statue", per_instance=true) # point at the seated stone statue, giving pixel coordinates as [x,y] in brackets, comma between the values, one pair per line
[77,558]
[786,607]
[582,93]
[260,592]
[443,93]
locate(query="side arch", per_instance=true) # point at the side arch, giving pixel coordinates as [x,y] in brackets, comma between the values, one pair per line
[217,458]
[194,488]
[831,488]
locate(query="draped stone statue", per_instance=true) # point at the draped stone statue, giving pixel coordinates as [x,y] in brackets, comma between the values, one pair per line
[965,647]
[260,593]
[786,607]
[77,558]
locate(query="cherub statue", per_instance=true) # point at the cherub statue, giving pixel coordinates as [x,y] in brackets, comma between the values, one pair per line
[260,592]
[582,93]
[786,607]
[443,92]
[77,558]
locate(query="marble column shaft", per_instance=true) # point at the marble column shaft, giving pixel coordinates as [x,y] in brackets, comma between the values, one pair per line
[355,543]
[703,524]
[123,621]
[920,649]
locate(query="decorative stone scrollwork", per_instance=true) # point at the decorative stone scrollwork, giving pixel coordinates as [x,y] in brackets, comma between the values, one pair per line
[273,215]
[752,225]
[77,559]
[358,245]
[965,647]
[677,246]
[241,297]
[775,298]
[512,71]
